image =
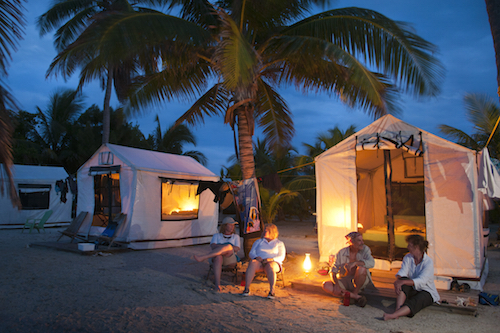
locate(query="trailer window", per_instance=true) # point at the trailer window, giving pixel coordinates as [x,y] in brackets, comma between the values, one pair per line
[34,196]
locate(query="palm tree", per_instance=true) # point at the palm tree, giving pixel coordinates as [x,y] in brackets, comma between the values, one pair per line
[11,30]
[325,141]
[482,112]
[173,141]
[493,9]
[255,47]
[74,21]
[64,107]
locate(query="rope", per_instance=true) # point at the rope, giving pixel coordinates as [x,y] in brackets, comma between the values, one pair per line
[298,166]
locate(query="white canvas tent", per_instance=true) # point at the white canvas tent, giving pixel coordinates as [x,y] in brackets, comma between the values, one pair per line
[146,178]
[36,186]
[448,186]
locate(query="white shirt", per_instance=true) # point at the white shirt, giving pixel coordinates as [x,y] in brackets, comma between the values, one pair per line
[274,249]
[421,274]
[220,238]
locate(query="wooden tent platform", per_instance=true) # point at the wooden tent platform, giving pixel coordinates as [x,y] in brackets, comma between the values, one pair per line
[383,287]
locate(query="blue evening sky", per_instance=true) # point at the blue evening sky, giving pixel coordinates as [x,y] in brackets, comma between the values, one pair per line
[459,28]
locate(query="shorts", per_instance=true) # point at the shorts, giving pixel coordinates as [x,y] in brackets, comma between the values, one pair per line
[416,300]
[263,266]
[229,260]
[347,282]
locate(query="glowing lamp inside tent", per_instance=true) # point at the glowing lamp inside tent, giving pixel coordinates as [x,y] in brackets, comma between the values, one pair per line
[360,226]
[339,216]
[179,201]
[307,263]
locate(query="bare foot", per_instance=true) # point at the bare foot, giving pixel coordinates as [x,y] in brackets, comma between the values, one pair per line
[388,316]
[217,289]
[198,259]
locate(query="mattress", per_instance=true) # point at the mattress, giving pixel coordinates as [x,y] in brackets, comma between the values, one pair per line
[402,228]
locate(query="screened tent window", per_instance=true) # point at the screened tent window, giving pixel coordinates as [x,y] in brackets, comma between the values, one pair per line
[34,196]
[179,200]
[107,187]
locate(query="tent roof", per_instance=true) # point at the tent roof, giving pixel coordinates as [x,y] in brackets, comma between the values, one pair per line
[390,127]
[148,160]
[35,172]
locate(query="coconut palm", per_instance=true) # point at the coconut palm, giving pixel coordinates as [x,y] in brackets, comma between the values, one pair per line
[74,20]
[65,106]
[173,141]
[11,30]
[325,141]
[251,48]
[482,112]
[493,9]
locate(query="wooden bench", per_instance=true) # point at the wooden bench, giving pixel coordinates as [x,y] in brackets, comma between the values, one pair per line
[383,287]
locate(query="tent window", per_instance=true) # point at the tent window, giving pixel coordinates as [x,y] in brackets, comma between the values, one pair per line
[408,199]
[34,196]
[414,165]
[179,200]
[107,197]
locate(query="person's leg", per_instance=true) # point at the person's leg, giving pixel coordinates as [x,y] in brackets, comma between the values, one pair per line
[217,266]
[400,300]
[333,288]
[402,311]
[254,266]
[271,269]
[222,249]
[359,281]
[403,303]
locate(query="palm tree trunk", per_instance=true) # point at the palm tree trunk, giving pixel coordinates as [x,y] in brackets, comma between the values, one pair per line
[493,9]
[245,143]
[106,114]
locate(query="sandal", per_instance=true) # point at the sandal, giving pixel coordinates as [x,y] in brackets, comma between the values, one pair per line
[245,293]
[361,302]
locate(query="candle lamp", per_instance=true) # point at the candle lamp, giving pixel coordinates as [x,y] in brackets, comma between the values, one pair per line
[307,264]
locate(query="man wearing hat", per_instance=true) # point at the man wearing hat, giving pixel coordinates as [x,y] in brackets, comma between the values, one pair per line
[224,246]
[350,273]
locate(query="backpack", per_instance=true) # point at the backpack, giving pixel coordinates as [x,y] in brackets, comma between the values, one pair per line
[489,299]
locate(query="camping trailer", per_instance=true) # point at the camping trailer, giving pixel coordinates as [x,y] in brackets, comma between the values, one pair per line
[157,192]
[40,188]
[392,179]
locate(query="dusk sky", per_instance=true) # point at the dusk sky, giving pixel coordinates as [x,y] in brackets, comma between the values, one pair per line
[459,28]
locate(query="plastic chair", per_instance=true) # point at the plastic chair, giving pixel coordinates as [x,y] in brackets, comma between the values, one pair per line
[72,230]
[37,223]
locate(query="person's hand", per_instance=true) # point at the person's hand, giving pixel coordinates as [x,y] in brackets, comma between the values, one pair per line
[350,266]
[398,284]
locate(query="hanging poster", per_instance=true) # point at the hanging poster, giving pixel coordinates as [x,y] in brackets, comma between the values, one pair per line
[247,200]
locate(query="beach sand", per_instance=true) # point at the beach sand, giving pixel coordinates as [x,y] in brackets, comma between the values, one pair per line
[165,290]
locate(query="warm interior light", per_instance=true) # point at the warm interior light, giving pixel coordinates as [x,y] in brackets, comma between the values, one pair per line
[360,226]
[307,263]
[179,201]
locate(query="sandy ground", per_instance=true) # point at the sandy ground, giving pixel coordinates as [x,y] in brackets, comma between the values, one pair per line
[45,290]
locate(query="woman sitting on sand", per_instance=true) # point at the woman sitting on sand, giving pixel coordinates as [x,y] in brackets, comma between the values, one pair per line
[414,286]
[224,245]
[267,254]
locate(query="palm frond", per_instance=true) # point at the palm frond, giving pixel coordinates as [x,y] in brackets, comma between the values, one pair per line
[274,116]
[390,47]
[214,102]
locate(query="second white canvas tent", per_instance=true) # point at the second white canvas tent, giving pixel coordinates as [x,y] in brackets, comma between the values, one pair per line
[144,178]
[351,194]
[38,189]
